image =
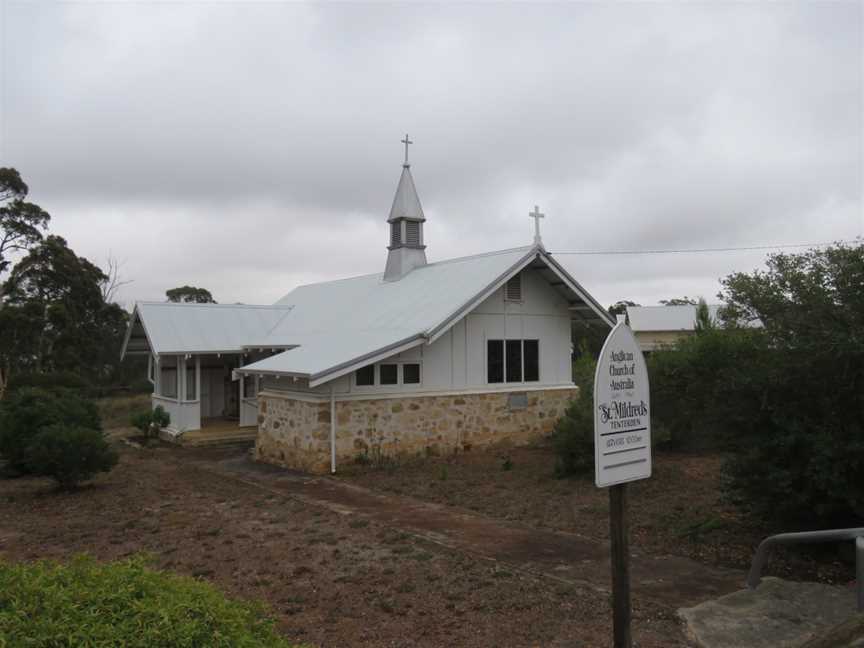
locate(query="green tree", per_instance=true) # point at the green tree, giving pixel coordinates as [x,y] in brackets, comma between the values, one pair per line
[679,301]
[704,321]
[620,307]
[21,222]
[55,318]
[785,401]
[190,295]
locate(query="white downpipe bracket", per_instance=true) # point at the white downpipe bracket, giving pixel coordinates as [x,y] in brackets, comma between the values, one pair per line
[333,429]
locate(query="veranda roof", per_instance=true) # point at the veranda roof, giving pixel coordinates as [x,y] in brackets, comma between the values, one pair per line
[167,327]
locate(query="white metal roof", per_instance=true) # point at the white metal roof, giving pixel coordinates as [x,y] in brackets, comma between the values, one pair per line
[667,318]
[339,325]
[329,328]
[169,327]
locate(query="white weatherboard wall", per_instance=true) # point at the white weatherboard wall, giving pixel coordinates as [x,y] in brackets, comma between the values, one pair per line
[457,360]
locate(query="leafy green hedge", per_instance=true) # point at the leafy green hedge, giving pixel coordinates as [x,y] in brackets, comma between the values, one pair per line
[86,604]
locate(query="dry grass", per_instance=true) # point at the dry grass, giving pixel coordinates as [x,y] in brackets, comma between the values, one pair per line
[117,410]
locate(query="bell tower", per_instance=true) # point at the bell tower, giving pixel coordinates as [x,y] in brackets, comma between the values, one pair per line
[406,250]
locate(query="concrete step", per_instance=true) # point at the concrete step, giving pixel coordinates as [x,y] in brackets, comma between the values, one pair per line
[777,614]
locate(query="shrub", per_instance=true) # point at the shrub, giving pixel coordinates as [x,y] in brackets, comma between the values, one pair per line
[88,604]
[24,413]
[151,421]
[573,436]
[69,454]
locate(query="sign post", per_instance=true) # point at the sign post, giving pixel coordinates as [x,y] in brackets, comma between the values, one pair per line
[622,452]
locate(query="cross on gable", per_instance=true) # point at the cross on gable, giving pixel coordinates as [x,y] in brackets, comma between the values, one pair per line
[536,215]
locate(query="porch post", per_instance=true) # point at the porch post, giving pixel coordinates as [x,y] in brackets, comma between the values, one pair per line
[157,376]
[198,380]
[181,378]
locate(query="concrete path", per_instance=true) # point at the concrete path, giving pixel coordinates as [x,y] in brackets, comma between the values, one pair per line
[566,557]
[778,614]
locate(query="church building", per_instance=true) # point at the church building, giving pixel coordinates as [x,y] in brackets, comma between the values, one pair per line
[420,358]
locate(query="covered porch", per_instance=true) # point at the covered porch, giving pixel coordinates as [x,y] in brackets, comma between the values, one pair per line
[203,396]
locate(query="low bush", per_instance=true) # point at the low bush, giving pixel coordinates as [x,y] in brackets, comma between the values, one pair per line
[573,436]
[88,604]
[27,411]
[69,455]
[151,421]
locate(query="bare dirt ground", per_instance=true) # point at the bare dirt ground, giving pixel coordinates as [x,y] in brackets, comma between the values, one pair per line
[331,579]
[680,510]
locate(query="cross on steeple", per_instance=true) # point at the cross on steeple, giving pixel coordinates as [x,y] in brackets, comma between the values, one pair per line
[406,142]
[536,215]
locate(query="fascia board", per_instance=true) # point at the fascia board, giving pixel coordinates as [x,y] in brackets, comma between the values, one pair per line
[577,288]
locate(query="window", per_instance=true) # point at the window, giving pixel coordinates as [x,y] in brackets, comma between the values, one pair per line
[531,355]
[513,289]
[495,361]
[412,232]
[389,374]
[395,234]
[512,361]
[366,375]
[411,374]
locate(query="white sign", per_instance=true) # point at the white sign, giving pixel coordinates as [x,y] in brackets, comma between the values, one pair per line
[622,411]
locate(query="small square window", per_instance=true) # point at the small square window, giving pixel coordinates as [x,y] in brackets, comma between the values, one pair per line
[411,374]
[366,375]
[389,374]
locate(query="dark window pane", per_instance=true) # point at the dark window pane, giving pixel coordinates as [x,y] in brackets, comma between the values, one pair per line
[411,374]
[389,374]
[532,361]
[495,361]
[366,375]
[514,360]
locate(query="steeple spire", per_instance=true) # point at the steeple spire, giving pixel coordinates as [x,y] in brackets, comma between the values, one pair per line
[406,250]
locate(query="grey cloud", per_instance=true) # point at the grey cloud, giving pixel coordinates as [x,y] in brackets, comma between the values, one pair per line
[230,144]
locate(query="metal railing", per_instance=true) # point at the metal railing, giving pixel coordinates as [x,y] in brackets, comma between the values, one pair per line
[806,537]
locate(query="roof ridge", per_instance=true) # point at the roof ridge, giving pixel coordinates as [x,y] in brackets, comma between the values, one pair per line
[434,263]
[187,304]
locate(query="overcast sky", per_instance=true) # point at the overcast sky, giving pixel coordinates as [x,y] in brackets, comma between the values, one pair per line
[251,147]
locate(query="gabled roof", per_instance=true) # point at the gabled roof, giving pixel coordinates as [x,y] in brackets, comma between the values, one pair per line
[167,327]
[340,325]
[331,328]
[406,202]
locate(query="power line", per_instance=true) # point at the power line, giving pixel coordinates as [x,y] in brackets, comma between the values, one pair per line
[703,250]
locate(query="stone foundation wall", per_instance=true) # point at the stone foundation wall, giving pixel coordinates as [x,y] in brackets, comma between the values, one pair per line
[296,433]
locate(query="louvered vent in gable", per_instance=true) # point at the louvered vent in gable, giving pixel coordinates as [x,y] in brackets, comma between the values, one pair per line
[412,233]
[513,289]
[395,233]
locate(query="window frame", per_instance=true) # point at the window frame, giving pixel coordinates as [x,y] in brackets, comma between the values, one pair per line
[400,374]
[504,342]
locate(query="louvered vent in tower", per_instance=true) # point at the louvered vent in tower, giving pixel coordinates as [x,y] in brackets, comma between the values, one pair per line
[412,233]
